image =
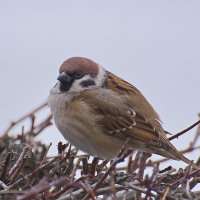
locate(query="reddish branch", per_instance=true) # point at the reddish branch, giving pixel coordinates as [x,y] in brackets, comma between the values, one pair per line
[184,131]
[68,175]
[28,115]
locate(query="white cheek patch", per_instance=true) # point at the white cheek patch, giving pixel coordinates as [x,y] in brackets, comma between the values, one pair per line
[100,77]
[76,86]
[99,80]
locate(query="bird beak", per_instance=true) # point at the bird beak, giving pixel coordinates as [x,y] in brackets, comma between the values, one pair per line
[64,78]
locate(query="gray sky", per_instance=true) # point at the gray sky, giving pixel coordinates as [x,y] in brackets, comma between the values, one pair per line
[154,45]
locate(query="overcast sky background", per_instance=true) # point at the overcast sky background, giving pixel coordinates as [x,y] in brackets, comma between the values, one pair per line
[154,45]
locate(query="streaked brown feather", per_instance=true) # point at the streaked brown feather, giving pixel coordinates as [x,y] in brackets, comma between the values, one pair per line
[130,116]
[135,100]
[119,85]
[117,118]
[111,112]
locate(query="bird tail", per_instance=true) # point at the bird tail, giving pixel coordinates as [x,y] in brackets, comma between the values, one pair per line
[171,152]
[186,160]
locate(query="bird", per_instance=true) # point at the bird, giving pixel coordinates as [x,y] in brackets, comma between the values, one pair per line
[97,112]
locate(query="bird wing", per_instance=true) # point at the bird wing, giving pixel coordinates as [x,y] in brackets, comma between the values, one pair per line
[124,112]
[117,118]
[134,100]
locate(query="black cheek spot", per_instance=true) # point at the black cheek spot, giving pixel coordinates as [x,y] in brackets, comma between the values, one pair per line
[87,83]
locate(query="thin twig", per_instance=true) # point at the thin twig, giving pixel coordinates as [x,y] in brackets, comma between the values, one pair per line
[184,131]
[119,158]
[164,197]
[24,117]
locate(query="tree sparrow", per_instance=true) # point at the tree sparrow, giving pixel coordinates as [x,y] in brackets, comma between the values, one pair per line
[97,112]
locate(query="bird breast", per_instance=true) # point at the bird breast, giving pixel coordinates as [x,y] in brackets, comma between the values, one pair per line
[78,124]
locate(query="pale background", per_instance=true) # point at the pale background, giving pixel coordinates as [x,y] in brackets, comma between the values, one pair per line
[155,45]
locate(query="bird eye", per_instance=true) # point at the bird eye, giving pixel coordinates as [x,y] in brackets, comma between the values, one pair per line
[78,75]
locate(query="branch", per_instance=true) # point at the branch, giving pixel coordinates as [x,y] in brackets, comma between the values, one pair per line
[14,123]
[184,131]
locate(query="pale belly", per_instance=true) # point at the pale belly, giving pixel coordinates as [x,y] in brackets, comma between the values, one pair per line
[89,140]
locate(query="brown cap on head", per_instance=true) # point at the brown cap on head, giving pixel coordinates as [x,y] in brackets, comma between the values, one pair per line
[79,64]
